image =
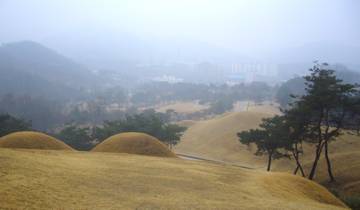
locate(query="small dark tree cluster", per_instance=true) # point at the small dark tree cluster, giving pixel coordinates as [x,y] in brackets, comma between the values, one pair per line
[9,124]
[77,137]
[293,86]
[222,105]
[150,122]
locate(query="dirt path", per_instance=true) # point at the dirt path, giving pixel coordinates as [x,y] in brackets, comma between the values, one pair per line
[195,158]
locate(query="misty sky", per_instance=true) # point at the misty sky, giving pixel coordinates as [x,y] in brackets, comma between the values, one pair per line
[243,25]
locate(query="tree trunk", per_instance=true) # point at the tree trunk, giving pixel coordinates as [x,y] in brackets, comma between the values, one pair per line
[328,163]
[319,146]
[327,137]
[296,169]
[269,162]
[298,164]
[317,156]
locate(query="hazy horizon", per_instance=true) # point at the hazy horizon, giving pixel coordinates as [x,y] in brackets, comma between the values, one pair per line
[247,27]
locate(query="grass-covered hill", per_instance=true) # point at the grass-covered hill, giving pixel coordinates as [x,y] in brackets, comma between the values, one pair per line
[134,143]
[39,179]
[32,140]
[216,139]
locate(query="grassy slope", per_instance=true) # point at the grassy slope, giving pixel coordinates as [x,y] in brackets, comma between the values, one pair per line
[216,138]
[42,179]
[346,170]
[345,156]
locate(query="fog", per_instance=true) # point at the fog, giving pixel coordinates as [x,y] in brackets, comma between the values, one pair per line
[108,34]
[238,87]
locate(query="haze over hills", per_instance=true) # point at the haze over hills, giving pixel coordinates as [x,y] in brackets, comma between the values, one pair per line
[297,60]
[134,57]
[99,49]
[129,51]
[121,36]
[30,68]
[128,58]
[181,104]
[322,51]
[143,59]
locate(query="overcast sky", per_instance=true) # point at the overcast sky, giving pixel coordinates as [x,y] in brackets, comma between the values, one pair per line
[243,25]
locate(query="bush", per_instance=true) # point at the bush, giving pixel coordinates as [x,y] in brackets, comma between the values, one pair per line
[352,201]
[10,124]
[77,137]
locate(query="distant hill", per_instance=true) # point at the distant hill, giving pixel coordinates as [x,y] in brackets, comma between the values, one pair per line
[297,60]
[322,51]
[296,85]
[30,68]
[100,49]
[135,59]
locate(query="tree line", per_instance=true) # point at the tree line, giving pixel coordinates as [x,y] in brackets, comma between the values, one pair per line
[328,108]
[153,123]
[82,137]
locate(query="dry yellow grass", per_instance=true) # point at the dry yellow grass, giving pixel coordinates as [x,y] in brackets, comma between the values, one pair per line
[346,171]
[216,138]
[134,143]
[39,179]
[345,158]
[32,140]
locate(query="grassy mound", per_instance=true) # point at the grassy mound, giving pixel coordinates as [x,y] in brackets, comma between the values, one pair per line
[81,180]
[216,138]
[32,140]
[134,143]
